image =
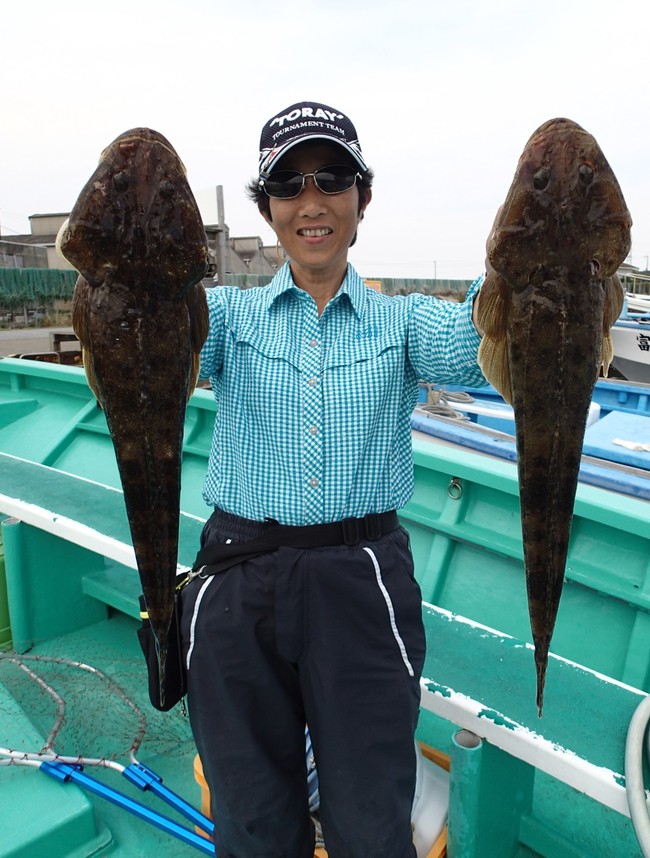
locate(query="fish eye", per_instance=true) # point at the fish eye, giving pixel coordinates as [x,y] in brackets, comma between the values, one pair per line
[540,179]
[167,188]
[586,174]
[120,181]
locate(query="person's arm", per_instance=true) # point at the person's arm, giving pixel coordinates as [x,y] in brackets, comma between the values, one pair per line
[444,339]
[213,349]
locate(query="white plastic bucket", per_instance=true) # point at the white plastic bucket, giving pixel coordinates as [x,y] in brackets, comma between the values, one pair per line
[430,803]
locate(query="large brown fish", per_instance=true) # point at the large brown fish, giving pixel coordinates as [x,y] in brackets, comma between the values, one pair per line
[549,299]
[136,237]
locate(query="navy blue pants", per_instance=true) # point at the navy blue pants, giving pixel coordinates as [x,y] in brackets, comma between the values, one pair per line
[332,637]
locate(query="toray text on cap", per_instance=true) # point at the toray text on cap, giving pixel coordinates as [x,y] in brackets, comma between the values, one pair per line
[306,112]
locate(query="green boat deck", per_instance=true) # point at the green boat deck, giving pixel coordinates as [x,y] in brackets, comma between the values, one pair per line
[550,787]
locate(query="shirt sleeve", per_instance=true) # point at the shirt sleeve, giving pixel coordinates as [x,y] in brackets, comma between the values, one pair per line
[443,342]
[213,348]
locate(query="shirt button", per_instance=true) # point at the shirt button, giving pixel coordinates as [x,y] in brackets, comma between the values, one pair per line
[313,382]
[314,483]
[313,430]
[313,343]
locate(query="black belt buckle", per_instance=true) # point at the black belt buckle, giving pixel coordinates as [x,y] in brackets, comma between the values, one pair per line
[372,526]
[356,529]
[351,530]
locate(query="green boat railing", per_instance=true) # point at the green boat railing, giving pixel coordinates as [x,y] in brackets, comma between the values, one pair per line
[552,787]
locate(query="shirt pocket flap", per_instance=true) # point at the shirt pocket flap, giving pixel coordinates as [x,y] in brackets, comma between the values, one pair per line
[362,346]
[266,348]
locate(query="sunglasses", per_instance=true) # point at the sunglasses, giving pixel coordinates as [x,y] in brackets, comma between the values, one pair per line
[286,184]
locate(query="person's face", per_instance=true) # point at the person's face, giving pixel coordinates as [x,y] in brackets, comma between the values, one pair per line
[315,229]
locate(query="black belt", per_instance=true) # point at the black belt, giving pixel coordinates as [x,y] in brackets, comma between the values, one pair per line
[217,557]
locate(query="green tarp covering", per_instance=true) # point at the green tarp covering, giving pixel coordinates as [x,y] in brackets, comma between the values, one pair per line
[406,285]
[20,286]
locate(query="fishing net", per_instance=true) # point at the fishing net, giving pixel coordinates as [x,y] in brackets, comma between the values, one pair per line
[64,706]
[89,724]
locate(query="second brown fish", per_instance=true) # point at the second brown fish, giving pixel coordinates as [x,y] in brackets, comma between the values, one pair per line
[549,299]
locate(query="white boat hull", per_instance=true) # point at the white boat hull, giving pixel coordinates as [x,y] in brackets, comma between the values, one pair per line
[631,341]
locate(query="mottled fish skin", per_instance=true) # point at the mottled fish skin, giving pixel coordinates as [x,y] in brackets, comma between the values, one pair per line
[550,296]
[136,237]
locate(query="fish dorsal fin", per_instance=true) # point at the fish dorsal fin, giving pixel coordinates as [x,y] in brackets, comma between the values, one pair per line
[614,298]
[492,321]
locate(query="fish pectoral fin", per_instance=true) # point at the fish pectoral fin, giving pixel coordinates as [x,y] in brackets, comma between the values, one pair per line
[194,375]
[493,306]
[614,299]
[492,320]
[80,310]
[91,378]
[61,238]
[197,308]
[495,365]
[81,327]
[606,353]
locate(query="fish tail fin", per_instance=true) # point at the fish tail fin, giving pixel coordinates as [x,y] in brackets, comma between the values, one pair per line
[541,662]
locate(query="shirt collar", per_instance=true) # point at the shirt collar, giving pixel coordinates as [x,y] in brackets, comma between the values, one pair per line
[352,286]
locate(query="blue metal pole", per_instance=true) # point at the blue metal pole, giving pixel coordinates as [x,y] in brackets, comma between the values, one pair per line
[66,773]
[146,779]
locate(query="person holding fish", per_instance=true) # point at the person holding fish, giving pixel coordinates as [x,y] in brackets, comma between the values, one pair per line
[304,608]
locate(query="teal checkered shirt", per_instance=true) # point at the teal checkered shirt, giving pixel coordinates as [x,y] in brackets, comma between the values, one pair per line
[313,417]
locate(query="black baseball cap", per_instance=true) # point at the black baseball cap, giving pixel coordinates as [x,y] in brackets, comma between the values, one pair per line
[307,120]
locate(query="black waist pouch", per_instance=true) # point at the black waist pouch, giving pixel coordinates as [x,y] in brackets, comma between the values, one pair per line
[174,687]
[175,683]
[216,558]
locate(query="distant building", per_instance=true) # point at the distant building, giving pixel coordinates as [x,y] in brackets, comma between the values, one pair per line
[16,254]
[244,255]
[36,249]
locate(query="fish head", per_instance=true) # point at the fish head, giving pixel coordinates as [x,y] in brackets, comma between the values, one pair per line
[564,207]
[136,218]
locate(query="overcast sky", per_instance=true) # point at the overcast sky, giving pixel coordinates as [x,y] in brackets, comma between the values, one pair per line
[443,93]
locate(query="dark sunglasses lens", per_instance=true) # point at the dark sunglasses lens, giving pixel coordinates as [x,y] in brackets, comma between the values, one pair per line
[284,184]
[336,179]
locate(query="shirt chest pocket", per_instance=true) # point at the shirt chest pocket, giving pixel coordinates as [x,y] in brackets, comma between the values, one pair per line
[262,375]
[378,361]
[252,353]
